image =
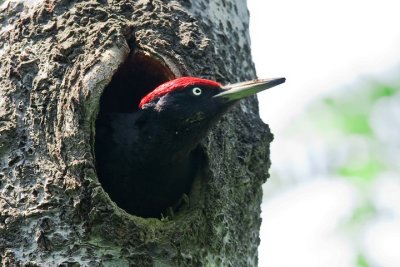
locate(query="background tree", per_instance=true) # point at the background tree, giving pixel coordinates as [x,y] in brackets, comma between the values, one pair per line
[56,59]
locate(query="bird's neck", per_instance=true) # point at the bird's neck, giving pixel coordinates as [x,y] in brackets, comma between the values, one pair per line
[168,141]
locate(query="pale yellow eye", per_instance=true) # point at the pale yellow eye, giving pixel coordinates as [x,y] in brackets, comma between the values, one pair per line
[196,91]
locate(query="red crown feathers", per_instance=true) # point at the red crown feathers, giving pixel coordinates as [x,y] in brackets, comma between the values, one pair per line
[176,85]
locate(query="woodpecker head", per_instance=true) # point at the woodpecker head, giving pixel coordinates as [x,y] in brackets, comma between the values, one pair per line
[189,100]
[187,107]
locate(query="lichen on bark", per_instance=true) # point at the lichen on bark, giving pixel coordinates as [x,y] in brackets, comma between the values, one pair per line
[56,58]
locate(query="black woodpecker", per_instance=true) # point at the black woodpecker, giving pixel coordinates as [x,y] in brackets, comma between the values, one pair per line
[145,160]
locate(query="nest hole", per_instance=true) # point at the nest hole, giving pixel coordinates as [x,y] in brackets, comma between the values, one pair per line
[135,78]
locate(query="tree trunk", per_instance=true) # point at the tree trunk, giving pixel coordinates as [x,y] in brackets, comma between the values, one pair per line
[56,60]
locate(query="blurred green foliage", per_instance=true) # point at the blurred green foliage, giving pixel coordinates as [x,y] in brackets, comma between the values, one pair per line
[361,173]
[361,261]
[347,114]
[362,213]
[345,122]
[383,91]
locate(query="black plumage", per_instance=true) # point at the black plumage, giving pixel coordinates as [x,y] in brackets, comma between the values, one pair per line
[146,160]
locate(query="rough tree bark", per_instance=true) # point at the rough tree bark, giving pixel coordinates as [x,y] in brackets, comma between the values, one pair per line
[56,59]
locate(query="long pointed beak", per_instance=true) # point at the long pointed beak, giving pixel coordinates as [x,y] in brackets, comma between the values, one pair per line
[241,90]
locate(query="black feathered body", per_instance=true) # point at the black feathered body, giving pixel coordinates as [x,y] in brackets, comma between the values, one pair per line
[143,165]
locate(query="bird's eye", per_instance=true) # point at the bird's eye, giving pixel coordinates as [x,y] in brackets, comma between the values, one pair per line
[196,91]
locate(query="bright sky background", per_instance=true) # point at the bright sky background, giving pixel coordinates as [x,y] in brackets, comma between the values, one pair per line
[319,46]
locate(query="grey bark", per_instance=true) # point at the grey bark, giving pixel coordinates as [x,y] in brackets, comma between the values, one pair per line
[56,58]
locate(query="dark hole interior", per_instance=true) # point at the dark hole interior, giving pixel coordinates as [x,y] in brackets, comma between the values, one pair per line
[139,75]
[136,77]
